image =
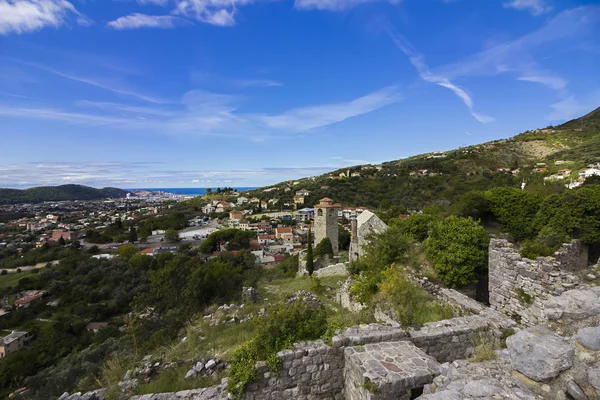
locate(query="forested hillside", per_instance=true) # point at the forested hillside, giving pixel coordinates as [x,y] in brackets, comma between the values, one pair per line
[433,179]
[58,193]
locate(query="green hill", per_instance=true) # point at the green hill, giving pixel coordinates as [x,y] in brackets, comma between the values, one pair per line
[404,183]
[57,193]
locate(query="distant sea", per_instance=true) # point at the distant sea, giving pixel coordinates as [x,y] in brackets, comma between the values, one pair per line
[189,191]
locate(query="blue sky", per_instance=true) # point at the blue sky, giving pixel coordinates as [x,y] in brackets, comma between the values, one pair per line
[207,93]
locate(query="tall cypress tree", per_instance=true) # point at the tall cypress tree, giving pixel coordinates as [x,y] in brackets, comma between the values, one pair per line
[310,264]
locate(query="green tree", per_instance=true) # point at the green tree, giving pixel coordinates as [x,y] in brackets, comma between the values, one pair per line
[127,251]
[310,263]
[62,241]
[458,249]
[133,235]
[324,248]
[140,261]
[592,180]
[516,209]
[416,226]
[171,235]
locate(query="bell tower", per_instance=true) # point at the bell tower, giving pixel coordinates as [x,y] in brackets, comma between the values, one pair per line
[326,222]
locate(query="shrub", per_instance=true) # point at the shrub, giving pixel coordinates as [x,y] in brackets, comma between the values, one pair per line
[458,249]
[412,304]
[286,324]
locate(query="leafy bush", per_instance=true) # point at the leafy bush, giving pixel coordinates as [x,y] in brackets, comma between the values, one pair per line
[286,324]
[412,305]
[416,226]
[458,249]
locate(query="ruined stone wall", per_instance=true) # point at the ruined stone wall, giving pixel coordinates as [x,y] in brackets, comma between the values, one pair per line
[452,339]
[309,371]
[332,270]
[519,286]
[344,298]
[314,370]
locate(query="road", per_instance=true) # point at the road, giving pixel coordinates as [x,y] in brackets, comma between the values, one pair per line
[29,267]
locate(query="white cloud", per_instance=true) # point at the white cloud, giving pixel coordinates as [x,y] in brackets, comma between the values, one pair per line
[418,62]
[214,12]
[136,21]
[334,5]
[305,118]
[553,82]
[99,83]
[162,3]
[142,174]
[207,114]
[23,16]
[536,7]
[522,55]
[571,107]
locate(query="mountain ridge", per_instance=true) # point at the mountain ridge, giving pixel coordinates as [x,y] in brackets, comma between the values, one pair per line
[40,194]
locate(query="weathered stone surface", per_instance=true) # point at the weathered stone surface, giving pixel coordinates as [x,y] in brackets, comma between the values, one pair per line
[213,393]
[539,354]
[575,304]
[589,337]
[489,380]
[594,378]
[575,391]
[519,286]
[391,368]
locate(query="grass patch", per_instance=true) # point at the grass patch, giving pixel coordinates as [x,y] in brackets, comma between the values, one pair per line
[411,304]
[12,280]
[218,340]
[278,290]
[172,380]
[485,349]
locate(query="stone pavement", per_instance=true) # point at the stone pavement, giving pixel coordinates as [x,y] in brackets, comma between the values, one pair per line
[387,370]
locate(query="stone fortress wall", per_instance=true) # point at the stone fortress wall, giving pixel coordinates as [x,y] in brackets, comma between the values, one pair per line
[519,287]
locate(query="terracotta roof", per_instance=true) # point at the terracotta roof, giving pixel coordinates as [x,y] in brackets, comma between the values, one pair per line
[283,229]
[147,251]
[27,299]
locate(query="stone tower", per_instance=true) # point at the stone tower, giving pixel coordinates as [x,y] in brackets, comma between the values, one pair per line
[326,222]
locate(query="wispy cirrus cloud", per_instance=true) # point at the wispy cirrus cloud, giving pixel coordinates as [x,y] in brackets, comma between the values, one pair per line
[137,21]
[553,82]
[153,2]
[334,5]
[142,174]
[522,56]
[214,12]
[418,61]
[205,113]
[306,118]
[203,77]
[24,16]
[101,83]
[536,7]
